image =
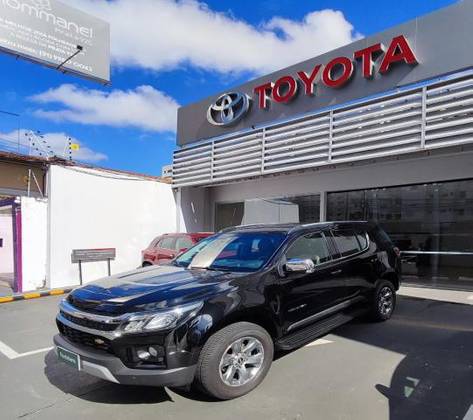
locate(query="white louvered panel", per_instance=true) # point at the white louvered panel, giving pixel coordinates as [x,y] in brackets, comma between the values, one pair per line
[388,126]
[231,158]
[383,145]
[293,165]
[294,145]
[307,152]
[446,113]
[373,139]
[312,121]
[414,110]
[449,114]
[377,154]
[449,86]
[192,165]
[218,166]
[188,153]
[297,145]
[383,126]
[237,158]
[192,177]
[374,108]
[195,165]
[449,95]
[312,130]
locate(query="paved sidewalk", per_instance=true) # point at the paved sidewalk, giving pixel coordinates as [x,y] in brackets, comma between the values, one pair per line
[452,296]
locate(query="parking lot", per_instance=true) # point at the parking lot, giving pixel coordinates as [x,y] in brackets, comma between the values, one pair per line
[419,365]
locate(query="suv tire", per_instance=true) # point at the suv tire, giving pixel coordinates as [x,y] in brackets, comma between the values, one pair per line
[234,360]
[384,301]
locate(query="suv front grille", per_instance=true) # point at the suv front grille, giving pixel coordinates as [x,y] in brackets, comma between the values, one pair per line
[85,339]
[95,325]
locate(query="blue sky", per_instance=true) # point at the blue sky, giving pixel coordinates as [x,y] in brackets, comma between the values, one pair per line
[181,53]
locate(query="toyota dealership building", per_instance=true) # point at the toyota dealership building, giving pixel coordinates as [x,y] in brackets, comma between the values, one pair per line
[381,129]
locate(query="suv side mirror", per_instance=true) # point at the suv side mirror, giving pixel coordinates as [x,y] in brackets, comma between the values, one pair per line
[300,265]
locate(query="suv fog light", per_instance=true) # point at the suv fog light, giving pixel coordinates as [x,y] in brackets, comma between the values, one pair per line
[143,354]
[153,352]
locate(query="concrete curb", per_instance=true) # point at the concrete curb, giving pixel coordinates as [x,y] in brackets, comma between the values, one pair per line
[34,295]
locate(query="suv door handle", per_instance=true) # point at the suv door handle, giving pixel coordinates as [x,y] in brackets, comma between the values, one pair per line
[336,272]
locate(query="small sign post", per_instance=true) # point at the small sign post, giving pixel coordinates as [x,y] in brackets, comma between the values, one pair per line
[93,255]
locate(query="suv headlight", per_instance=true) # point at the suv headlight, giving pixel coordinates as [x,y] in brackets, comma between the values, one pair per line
[155,321]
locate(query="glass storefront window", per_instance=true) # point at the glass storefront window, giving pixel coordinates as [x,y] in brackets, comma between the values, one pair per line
[431,223]
[297,209]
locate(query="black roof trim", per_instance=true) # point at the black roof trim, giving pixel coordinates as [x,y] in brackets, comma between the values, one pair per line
[291,227]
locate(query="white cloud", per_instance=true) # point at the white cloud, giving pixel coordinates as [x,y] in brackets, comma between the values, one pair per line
[165,34]
[143,107]
[56,142]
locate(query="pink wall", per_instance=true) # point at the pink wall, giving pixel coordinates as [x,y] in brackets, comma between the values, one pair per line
[6,252]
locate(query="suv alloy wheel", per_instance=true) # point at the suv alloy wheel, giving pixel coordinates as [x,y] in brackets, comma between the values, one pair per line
[234,360]
[384,301]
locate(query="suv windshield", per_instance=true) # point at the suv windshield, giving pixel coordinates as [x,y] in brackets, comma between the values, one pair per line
[233,251]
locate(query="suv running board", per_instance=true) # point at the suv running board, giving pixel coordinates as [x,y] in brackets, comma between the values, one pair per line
[310,333]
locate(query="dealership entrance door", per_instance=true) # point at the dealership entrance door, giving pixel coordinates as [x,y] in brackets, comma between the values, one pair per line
[432,224]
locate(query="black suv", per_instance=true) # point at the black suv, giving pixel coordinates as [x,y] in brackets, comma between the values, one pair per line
[215,315]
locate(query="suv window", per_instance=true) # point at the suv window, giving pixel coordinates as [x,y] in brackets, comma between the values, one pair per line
[313,246]
[183,242]
[361,236]
[167,243]
[346,242]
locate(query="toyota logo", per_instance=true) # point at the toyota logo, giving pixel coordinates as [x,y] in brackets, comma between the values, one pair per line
[228,108]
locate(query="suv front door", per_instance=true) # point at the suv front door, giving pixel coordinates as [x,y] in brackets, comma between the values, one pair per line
[306,294]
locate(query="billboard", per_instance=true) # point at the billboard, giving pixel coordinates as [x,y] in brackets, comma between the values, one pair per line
[427,47]
[56,35]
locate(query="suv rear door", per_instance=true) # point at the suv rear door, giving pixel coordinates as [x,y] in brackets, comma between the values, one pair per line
[352,259]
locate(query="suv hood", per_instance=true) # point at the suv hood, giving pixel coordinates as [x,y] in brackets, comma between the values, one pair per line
[150,288]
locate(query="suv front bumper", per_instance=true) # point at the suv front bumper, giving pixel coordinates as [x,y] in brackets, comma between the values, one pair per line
[111,368]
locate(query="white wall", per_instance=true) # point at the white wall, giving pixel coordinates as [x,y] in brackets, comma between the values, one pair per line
[34,222]
[6,252]
[97,209]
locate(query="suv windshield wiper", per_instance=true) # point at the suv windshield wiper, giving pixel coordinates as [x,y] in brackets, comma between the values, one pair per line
[210,268]
[177,264]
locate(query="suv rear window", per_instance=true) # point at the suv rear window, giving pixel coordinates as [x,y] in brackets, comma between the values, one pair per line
[362,239]
[346,242]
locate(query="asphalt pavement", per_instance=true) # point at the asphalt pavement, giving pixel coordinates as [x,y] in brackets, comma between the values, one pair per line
[418,365]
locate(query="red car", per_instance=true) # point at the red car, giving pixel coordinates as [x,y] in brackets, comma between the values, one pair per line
[166,247]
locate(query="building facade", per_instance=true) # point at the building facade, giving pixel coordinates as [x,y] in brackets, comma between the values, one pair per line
[50,207]
[381,129]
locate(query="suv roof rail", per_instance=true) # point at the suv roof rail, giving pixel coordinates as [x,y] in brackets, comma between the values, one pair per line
[291,227]
[249,225]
